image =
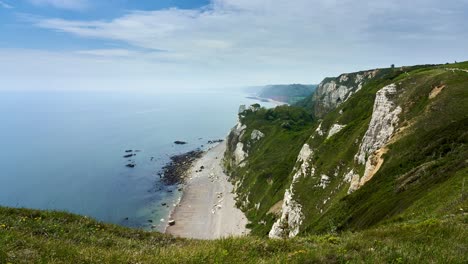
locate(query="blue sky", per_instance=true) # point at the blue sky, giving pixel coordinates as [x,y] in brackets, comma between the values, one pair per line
[186,44]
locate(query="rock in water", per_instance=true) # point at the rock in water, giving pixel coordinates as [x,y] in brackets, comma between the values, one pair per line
[177,142]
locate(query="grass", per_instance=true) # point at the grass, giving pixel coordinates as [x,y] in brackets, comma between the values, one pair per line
[32,236]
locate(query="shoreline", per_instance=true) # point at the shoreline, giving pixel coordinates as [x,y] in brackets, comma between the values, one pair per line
[207,207]
[266,100]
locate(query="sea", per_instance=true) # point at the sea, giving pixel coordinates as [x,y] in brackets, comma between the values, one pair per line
[64,150]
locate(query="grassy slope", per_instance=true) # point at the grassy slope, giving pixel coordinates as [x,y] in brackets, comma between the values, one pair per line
[31,236]
[432,151]
[435,142]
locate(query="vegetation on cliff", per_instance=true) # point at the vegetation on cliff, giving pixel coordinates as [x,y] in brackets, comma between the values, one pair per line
[417,174]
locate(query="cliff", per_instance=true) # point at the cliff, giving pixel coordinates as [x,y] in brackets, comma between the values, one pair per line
[382,145]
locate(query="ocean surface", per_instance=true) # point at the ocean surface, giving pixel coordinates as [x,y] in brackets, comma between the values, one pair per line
[64,150]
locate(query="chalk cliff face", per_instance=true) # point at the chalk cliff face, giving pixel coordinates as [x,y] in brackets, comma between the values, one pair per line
[239,153]
[375,136]
[291,215]
[382,124]
[332,92]
[381,128]
[335,129]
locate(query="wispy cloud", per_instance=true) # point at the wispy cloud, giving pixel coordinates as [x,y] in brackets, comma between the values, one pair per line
[253,42]
[62,4]
[286,32]
[107,52]
[5,5]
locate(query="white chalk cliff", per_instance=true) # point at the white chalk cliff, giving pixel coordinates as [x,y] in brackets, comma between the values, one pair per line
[381,128]
[291,215]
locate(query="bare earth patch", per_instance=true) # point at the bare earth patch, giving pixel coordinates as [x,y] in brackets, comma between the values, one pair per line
[436,91]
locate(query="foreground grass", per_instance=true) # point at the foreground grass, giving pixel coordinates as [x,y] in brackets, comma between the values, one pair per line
[32,236]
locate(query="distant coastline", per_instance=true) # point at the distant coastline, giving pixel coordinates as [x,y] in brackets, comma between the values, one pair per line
[266,100]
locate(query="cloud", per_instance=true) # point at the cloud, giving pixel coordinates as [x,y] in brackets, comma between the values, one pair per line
[5,5]
[253,42]
[62,4]
[108,52]
[267,29]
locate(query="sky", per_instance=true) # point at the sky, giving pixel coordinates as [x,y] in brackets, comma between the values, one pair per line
[180,45]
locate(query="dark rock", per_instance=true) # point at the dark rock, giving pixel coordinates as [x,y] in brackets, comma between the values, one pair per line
[128,156]
[130,165]
[202,167]
[151,221]
[171,222]
[169,191]
[163,204]
[176,170]
[180,189]
[215,141]
[128,150]
[178,142]
[126,218]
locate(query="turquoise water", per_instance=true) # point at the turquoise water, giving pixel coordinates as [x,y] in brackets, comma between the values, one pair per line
[64,150]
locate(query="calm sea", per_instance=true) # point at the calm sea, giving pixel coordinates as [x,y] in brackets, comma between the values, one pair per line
[64,150]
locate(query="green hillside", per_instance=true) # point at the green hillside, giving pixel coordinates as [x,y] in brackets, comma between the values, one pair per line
[423,163]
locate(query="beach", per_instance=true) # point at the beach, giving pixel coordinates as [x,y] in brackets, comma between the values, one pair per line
[207,209]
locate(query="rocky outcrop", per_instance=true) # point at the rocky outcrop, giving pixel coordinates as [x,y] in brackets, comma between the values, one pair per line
[291,211]
[335,129]
[332,92]
[381,128]
[319,131]
[324,181]
[256,135]
[239,154]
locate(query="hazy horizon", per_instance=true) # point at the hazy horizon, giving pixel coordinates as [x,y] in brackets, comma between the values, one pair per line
[182,45]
